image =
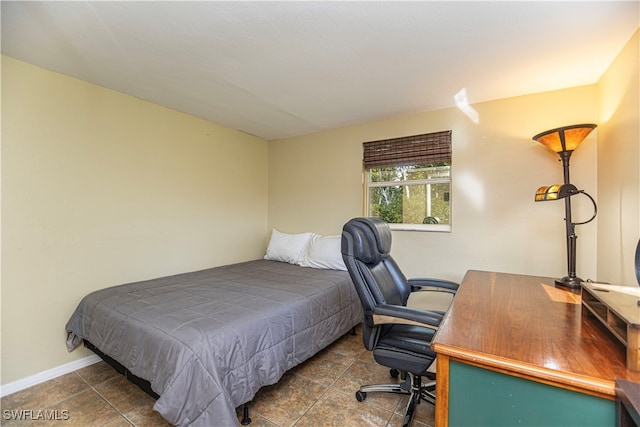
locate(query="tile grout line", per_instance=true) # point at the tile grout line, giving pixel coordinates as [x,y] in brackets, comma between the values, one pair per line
[104,398]
[329,387]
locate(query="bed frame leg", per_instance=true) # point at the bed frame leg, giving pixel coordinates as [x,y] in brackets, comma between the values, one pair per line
[245,415]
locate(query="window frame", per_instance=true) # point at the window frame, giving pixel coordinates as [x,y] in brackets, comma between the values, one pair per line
[368,185]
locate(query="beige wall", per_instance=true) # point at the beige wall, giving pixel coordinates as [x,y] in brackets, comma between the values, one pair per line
[315,183]
[619,166]
[99,188]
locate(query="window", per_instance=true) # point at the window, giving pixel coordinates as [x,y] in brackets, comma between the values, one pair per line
[408,181]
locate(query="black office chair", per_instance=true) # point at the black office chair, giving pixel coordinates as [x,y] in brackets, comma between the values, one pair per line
[399,336]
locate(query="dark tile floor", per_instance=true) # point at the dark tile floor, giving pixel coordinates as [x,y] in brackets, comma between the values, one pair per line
[317,393]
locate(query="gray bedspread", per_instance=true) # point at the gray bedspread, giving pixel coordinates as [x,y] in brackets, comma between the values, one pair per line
[208,340]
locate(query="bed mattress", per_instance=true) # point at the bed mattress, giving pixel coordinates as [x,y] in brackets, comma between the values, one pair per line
[208,340]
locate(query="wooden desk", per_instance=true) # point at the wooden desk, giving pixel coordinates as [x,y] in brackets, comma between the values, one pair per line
[515,350]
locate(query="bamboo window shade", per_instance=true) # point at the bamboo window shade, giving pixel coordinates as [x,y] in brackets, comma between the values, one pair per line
[425,149]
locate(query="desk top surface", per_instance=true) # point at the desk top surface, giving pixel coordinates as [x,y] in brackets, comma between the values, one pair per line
[525,326]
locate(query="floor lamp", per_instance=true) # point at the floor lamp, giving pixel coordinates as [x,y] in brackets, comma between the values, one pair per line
[564,141]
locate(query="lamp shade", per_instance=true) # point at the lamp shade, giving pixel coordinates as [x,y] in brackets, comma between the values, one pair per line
[555,192]
[566,138]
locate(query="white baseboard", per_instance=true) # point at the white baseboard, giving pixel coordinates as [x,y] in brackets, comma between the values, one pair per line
[47,375]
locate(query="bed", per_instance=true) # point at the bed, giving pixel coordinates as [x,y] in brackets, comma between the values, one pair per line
[206,341]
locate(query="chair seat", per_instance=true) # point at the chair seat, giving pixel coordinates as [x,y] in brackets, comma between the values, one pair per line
[430,300]
[406,348]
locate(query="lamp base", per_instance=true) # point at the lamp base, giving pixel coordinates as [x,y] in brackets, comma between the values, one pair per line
[569,282]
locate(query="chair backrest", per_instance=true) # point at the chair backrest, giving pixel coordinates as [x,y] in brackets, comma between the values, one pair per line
[637,263]
[366,244]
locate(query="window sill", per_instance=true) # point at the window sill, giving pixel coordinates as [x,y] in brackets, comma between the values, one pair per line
[441,228]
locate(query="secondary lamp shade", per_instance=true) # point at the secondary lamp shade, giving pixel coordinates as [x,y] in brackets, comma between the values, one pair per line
[565,191]
[566,138]
[555,192]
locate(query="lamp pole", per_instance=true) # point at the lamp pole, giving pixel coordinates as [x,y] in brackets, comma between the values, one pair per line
[570,281]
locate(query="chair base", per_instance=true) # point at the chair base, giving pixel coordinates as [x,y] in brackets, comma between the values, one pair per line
[412,386]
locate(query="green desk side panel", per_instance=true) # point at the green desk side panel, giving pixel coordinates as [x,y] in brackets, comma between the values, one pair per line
[480,397]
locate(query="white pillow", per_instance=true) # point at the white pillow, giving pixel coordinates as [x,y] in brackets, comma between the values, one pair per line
[324,252]
[287,247]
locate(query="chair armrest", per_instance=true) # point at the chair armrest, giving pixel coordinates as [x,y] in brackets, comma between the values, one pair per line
[433,285]
[406,315]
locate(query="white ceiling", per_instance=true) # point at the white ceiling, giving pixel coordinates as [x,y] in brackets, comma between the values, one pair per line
[280,69]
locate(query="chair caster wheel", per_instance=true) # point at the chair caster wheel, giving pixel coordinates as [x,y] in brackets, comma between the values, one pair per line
[394,373]
[361,396]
